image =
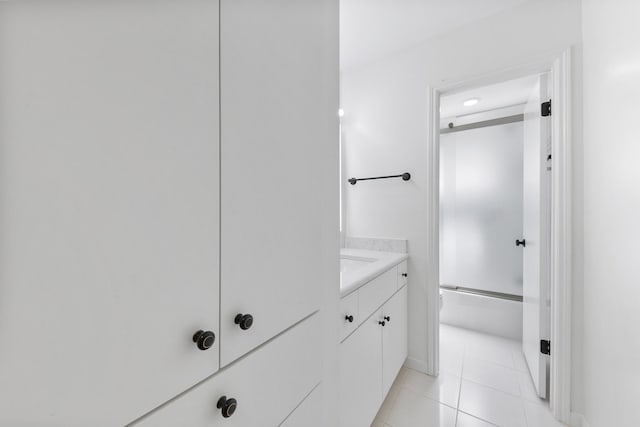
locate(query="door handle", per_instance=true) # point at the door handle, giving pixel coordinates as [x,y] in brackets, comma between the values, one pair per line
[522,242]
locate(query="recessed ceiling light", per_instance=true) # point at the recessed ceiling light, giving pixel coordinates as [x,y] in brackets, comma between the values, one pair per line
[340,112]
[471,102]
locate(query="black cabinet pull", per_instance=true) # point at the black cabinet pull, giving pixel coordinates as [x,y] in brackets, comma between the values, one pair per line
[348,318]
[227,406]
[405,275]
[387,318]
[382,322]
[204,339]
[522,243]
[244,321]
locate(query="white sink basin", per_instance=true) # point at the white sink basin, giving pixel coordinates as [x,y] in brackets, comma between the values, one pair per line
[348,263]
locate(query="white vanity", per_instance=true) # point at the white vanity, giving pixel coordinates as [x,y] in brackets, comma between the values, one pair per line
[373,333]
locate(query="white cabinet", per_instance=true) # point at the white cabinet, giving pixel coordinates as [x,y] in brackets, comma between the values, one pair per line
[307,413]
[109,207]
[394,338]
[361,374]
[274,87]
[371,357]
[266,386]
[161,173]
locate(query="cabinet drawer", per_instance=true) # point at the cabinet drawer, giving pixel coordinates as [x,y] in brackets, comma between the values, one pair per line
[349,318]
[402,274]
[309,413]
[268,385]
[372,295]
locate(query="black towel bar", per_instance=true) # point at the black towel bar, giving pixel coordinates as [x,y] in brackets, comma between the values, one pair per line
[405,177]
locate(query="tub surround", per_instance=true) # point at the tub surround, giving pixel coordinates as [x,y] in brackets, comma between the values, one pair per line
[372,264]
[481,313]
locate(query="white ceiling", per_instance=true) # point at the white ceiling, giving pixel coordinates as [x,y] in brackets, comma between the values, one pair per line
[499,95]
[374,28]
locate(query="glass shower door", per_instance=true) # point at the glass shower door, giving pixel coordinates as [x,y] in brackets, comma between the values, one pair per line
[481,184]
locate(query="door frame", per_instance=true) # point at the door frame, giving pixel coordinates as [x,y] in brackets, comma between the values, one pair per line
[559,68]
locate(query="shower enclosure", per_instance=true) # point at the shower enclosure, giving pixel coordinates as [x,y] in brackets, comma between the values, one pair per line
[481,217]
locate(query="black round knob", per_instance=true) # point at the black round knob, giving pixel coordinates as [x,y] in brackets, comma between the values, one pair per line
[348,318]
[204,339]
[244,321]
[404,274]
[522,243]
[227,406]
[382,322]
[387,318]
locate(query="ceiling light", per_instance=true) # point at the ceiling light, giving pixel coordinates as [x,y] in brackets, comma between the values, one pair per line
[340,112]
[471,102]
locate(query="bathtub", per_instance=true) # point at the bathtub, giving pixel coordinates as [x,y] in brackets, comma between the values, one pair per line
[481,313]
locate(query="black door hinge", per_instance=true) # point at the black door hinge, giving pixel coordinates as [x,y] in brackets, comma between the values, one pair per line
[546,108]
[545,347]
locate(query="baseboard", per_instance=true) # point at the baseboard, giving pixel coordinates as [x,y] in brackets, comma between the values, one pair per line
[416,365]
[578,420]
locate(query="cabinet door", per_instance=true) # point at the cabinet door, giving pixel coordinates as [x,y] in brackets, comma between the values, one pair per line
[108,207]
[361,374]
[267,386]
[276,77]
[394,338]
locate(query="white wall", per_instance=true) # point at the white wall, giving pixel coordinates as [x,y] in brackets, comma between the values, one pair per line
[385,125]
[611,212]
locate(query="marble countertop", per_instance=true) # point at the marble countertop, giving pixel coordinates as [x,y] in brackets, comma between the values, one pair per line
[372,264]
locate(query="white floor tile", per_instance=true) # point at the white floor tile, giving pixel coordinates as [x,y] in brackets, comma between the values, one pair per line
[540,416]
[452,334]
[451,361]
[415,410]
[492,405]
[492,375]
[519,361]
[444,388]
[490,350]
[385,409]
[527,389]
[466,420]
[496,388]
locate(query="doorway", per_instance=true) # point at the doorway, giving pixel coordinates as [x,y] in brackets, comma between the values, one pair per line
[550,373]
[494,233]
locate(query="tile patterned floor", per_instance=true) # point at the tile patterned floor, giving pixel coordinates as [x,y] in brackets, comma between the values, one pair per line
[483,382]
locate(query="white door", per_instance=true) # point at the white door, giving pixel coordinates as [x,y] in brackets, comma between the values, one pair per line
[276,79]
[394,338]
[535,234]
[109,207]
